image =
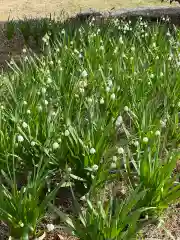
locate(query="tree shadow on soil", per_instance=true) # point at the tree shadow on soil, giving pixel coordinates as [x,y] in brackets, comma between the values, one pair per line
[17,34]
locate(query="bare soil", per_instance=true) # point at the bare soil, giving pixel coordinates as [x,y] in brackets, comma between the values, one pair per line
[9,49]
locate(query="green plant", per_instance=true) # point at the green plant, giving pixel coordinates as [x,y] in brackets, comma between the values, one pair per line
[23,206]
[96,89]
[155,175]
[24,27]
[10,29]
[107,218]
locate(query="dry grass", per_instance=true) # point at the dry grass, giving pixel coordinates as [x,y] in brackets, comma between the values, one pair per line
[38,8]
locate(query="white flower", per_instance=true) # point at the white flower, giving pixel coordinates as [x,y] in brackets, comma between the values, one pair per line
[102,101]
[24,124]
[83,84]
[89,100]
[45,102]
[24,103]
[40,108]
[95,167]
[116,22]
[108,89]
[145,140]
[114,158]
[126,109]
[20,138]
[33,143]
[119,121]
[53,113]
[43,90]
[113,165]
[163,123]
[92,176]
[170,58]
[115,50]
[110,83]
[63,31]
[84,73]
[67,133]
[157,133]
[123,55]
[50,227]
[152,75]
[49,80]
[81,90]
[55,145]
[24,50]
[120,150]
[113,96]
[121,40]
[92,151]
[76,51]
[21,224]
[69,170]
[161,74]
[178,64]
[136,143]
[28,111]
[45,38]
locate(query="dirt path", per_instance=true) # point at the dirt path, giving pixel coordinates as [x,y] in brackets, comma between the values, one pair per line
[36,8]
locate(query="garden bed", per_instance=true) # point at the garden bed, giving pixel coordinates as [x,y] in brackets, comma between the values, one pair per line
[13,38]
[95,106]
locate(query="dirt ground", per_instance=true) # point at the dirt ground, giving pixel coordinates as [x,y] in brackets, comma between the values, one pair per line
[39,8]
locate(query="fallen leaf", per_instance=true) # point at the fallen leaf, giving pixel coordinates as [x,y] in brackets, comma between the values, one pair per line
[61,237]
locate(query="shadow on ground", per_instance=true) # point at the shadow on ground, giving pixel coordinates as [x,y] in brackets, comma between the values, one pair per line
[16,34]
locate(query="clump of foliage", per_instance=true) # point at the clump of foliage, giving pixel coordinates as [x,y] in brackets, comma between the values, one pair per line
[101,104]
